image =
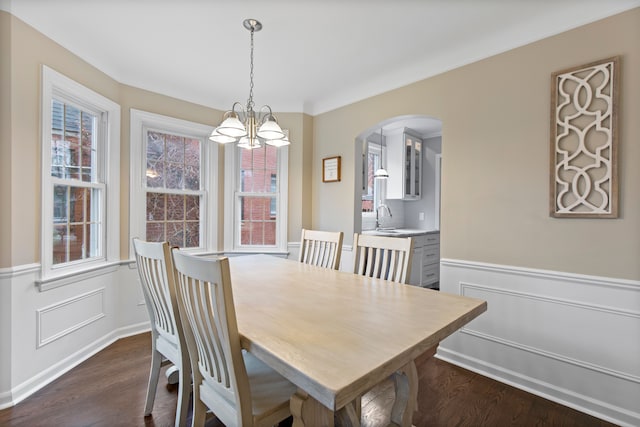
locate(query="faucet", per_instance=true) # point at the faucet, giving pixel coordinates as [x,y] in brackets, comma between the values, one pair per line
[386,208]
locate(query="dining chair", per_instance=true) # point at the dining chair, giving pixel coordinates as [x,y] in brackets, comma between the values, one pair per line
[321,248]
[155,267]
[387,258]
[382,257]
[237,387]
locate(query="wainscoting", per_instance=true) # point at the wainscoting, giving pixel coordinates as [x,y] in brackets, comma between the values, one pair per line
[45,333]
[573,339]
[570,338]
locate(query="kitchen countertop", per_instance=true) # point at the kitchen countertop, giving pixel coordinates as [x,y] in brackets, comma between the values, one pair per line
[399,232]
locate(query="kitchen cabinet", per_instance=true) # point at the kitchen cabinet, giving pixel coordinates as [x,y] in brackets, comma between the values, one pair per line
[425,266]
[404,166]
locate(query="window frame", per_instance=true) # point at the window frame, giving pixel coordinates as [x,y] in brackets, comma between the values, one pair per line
[143,121]
[232,203]
[58,86]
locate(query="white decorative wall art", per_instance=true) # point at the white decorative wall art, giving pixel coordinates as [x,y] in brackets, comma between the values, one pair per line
[584,132]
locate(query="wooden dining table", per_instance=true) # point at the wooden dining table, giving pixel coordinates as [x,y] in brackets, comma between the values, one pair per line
[335,334]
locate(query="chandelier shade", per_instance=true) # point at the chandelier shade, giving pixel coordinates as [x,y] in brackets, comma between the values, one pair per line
[242,125]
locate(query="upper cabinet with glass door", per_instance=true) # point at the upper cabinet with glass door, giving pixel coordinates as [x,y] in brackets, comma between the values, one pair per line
[405,166]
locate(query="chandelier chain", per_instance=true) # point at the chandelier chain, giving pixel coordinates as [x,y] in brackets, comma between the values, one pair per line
[250,100]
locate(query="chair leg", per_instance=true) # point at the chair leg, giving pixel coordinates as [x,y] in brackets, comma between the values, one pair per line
[154,374]
[199,412]
[184,390]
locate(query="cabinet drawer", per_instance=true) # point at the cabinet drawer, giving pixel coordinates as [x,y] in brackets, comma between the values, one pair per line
[430,274]
[431,239]
[430,254]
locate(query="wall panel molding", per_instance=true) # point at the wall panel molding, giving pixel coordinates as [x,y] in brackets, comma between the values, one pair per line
[564,336]
[66,317]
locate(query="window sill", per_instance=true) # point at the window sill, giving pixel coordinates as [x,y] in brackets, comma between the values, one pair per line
[281,254]
[76,276]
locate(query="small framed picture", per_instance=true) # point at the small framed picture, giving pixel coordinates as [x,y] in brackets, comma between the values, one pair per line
[331,169]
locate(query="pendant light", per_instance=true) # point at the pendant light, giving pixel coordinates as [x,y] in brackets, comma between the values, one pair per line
[381,173]
[244,126]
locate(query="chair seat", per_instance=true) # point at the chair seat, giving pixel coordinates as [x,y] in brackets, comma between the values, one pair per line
[270,394]
[269,389]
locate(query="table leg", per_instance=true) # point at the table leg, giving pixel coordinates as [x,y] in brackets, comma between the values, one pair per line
[348,416]
[309,412]
[406,385]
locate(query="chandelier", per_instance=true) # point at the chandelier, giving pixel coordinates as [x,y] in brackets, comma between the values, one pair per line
[242,125]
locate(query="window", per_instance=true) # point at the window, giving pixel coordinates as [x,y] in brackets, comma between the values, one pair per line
[172,181]
[256,191]
[80,155]
[373,188]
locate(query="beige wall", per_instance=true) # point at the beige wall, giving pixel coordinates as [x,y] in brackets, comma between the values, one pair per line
[27,52]
[22,53]
[5,138]
[495,149]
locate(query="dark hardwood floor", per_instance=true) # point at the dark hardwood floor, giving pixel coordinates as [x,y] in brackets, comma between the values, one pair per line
[109,390]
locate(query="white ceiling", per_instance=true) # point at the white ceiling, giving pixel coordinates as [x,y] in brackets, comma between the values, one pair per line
[311,56]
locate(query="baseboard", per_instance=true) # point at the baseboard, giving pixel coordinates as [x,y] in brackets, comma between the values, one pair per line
[568,398]
[30,386]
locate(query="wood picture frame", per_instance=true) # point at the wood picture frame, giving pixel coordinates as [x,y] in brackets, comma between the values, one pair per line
[583,173]
[331,169]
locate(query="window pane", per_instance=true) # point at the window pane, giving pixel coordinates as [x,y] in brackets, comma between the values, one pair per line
[175,207]
[192,208]
[60,198]
[155,160]
[270,233]
[192,234]
[76,242]
[175,234]
[76,204]
[192,164]
[155,232]
[175,148]
[88,148]
[72,139]
[257,233]
[175,175]
[59,243]
[155,207]
[192,151]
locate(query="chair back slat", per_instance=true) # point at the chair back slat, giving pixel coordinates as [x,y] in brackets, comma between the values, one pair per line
[382,257]
[205,301]
[321,248]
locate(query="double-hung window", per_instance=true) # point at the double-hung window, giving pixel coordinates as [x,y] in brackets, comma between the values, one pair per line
[80,154]
[373,189]
[172,181]
[256,199]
